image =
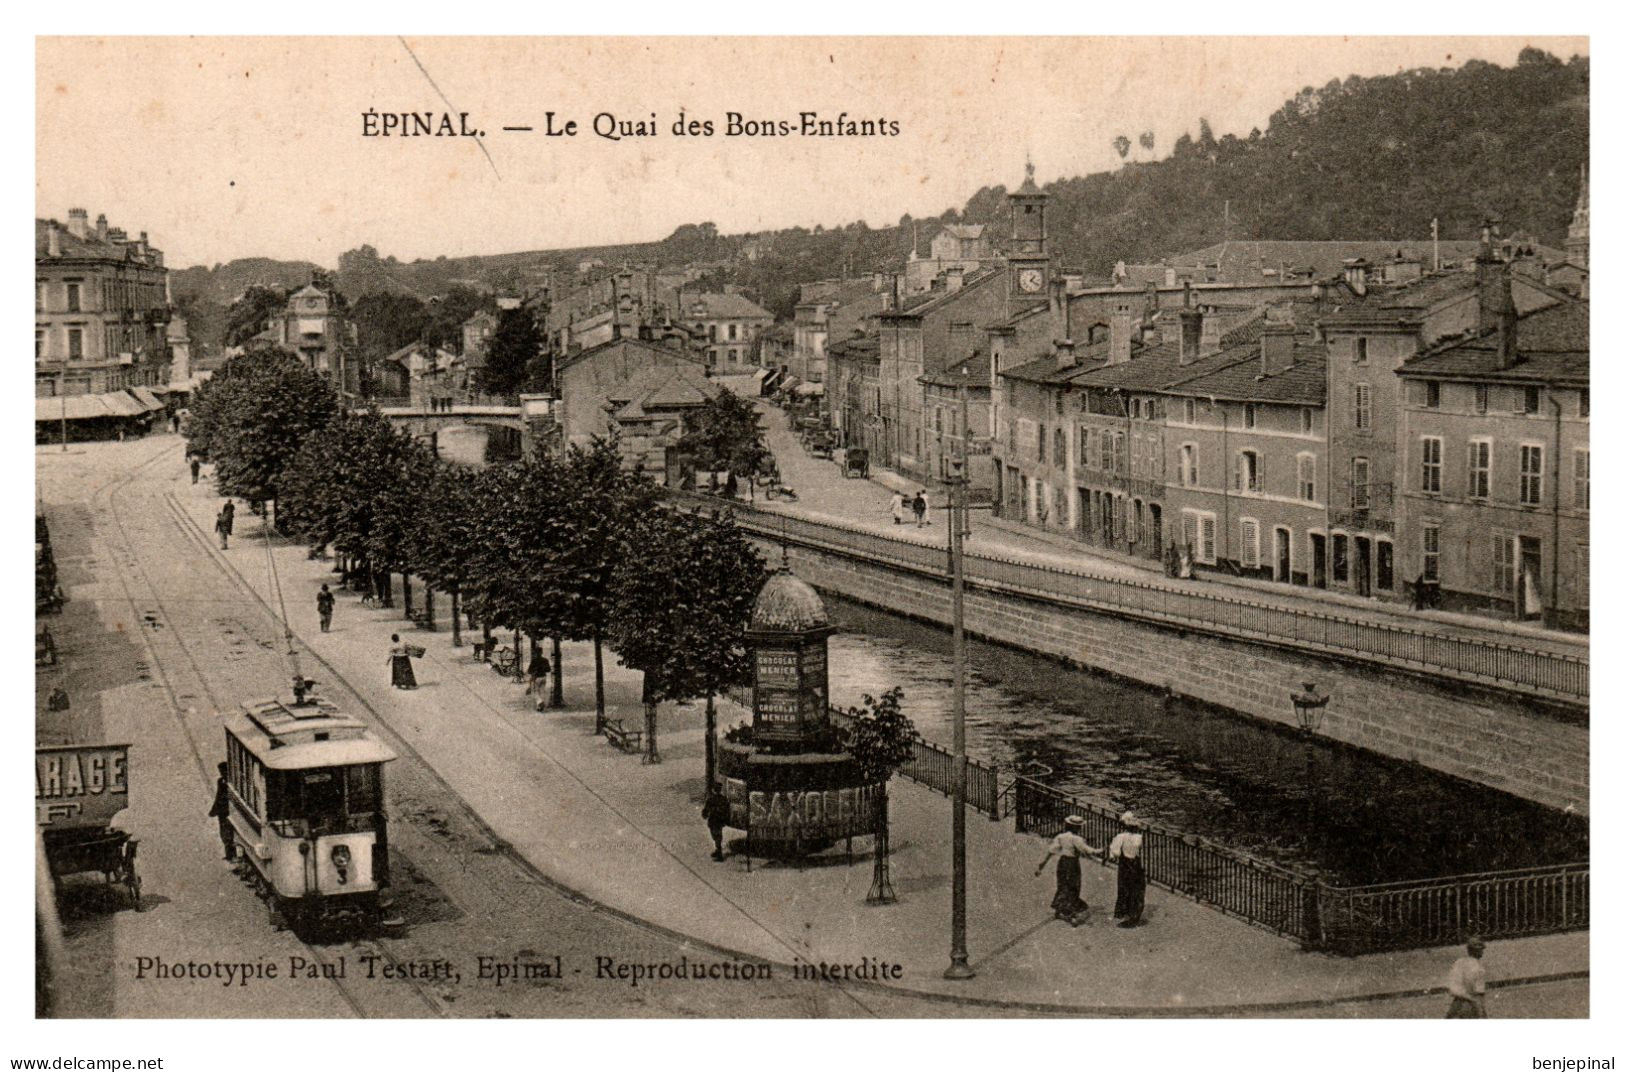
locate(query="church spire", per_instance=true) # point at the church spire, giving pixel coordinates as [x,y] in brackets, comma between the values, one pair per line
[1578,243]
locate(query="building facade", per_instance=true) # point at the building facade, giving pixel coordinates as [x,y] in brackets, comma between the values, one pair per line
[101,309]
[314,327]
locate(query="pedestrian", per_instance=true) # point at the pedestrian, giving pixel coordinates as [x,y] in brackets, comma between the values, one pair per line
[221,812]
[715,814]
[1467,984]
[918,505]
[324,607]
[925,508]
[1419,597]
[229,512]
[537,672]
[400,664]
[1125,849]
[222,526]
[175,424]
[896,508]
[731,488]
[1068,903]
[197,465]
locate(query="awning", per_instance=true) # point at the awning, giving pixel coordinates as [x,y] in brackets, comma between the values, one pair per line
[146,398]
[807,390]
[88,407]
[123,404]
[788,383]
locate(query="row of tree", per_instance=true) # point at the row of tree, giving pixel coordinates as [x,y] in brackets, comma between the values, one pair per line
[565,545]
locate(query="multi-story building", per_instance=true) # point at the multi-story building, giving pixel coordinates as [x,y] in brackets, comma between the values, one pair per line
[957,400]
[1495,484]
[591,383]
[830,310]
[853,387]
[313,326]
[962,247]
[727,324]
[101,308]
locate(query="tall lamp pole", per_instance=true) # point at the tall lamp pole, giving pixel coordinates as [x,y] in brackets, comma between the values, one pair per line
[1310,707]
[959,956]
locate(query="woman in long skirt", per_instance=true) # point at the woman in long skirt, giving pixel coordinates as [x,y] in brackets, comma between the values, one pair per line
[400,664]
[1068,903]
[1125,849]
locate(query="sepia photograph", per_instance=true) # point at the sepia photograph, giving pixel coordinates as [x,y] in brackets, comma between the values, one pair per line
[812,528]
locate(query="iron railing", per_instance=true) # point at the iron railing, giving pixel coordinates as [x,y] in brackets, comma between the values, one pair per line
[933,767]
[1341,919]
[1477,659]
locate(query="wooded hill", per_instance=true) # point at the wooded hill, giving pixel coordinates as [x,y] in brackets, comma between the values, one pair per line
[1362,158]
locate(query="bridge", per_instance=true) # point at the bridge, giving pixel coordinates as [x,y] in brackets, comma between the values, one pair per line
[475,432]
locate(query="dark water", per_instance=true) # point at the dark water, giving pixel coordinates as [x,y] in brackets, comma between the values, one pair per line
[1350,816]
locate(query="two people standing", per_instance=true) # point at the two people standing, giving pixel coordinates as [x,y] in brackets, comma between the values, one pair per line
[1069,845]
[902,505]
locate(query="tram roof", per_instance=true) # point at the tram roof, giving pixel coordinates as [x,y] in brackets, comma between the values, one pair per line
[287,737]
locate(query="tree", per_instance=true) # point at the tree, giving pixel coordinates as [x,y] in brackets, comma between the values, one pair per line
[386,321]
[881,739]
[253,416]
[447,312]
[674,615]
[1148,140]
[724,433]
[250,313]
[514,345]
[1122,145]
[443,544]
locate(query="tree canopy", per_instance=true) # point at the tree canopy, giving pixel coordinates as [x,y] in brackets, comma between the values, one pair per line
[725,433]
[515,343]
[253,416]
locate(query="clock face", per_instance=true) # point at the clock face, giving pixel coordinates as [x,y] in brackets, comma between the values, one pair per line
[1030,280]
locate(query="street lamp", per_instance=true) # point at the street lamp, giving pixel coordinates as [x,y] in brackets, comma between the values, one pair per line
[959,955]
[1310,707]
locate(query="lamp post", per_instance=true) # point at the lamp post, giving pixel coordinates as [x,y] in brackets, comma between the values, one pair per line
[1310,707]
[959,956]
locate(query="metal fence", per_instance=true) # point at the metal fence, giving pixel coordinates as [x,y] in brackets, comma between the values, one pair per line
[1531,671]
[933,767]
[1340,919]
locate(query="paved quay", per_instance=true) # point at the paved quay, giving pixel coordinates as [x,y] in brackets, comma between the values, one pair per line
[824,494]
[629,837]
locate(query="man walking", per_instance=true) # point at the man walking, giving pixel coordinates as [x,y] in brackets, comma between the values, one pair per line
[222,528]
[229,512]
[537,672]
[919,508]
[1467,984]
[196,466]
[324,607]
[715,814]
[896,508]
[221,812]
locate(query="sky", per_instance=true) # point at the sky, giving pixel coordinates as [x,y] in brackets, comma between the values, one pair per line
[222,148]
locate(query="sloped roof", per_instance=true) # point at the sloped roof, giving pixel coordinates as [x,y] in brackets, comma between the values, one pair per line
[90,246]
[1553,345]
[1238,376]
[974,370]
[931,300]
[661,388]
[722,307]
[1246,262]
[964,230]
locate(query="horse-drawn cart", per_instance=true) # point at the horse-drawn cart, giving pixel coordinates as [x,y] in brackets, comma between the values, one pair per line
[78,789]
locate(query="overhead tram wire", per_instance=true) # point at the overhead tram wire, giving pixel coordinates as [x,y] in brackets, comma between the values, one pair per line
[282,606]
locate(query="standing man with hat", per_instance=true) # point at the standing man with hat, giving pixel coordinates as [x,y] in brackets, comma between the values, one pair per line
[1125,849]
[1467,984]
[1069,845]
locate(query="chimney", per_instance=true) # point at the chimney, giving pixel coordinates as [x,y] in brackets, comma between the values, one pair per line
[1119,329]
[53,239]
[1275,348]
[101,226]
[888,299]
[78,222]
[1213,326]
[1066,354]
[1190,335]
[1506,340]
[1186,297]
[1354,273]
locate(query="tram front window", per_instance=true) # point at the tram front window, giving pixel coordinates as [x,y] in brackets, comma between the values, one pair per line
[323,797]
[361,789]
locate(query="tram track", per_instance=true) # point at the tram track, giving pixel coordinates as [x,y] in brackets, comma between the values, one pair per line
[351,998]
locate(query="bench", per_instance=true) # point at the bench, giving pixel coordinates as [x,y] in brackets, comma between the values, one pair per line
[626,740]
[421,619]
[505,661]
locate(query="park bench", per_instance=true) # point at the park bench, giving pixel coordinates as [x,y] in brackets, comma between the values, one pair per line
[626,740]
[421,619]
[505,661]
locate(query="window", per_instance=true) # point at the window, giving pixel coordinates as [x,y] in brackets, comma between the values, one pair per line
[1060,446]
[1188,529]
[1043,437]
[1340,558]
[1360,483]
[73,297]
[1431,394]
[1481,397]
[1306,420]
[1430,552]
[1209,528]
[1385,565]
[1134,408]
[1585,403]
[1582,480]
[1187,465]
[39,297]
[733,332]
[1306,477]
[1249,471]
[1582,570]
[1530,464]
[1362,350]
[76,343]
[1249,543]
[1083,446]
[1190,411]
[1531,399]
[1108,451]
[1503,574]
[1060,410]
[1478,469]
[1432,464]
[1121,456]
[1150,409]
[1362,406]
[1249,415]
[39,343]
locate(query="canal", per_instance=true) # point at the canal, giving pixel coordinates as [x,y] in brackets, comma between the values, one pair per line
[1349,816]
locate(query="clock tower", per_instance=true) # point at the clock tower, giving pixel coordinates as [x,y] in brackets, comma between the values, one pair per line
[1029,244]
